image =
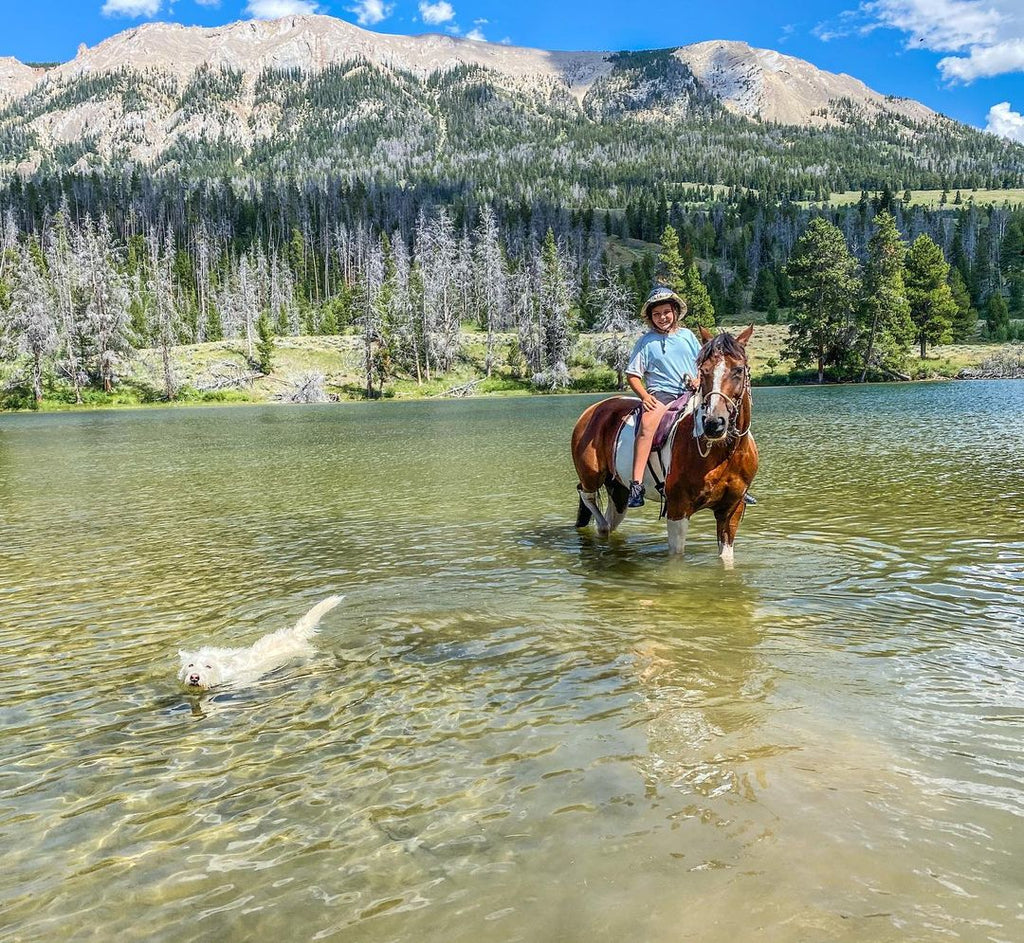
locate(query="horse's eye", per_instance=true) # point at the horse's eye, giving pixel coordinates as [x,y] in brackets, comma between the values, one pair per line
[737,371]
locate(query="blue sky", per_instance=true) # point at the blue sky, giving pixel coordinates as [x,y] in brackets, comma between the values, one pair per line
[964,58]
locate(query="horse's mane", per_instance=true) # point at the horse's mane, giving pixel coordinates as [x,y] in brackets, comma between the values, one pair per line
[724,344]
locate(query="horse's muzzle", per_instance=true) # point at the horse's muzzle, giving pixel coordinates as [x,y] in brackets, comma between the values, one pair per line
[715,426]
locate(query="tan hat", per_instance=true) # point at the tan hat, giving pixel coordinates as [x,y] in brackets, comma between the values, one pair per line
[659,295]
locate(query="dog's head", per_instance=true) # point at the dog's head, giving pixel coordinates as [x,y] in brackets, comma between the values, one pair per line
[198,671]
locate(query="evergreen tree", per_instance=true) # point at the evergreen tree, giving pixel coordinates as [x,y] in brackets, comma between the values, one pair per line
[932,307]
[31,316]
[997,317]
[965,320]
[765,293]
[556,321]
[673,268]
[264,343]
[823,276]
[699,310]
[885,313]
[617,319]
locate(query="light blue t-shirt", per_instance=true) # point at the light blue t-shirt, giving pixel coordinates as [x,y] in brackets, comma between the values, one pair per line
[663,360]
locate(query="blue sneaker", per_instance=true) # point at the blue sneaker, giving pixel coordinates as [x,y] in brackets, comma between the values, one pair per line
[636,495]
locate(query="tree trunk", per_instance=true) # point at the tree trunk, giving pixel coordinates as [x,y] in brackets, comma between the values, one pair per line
[37,377]
[871,344]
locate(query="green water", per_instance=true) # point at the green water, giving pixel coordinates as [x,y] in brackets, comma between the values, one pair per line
[511,730]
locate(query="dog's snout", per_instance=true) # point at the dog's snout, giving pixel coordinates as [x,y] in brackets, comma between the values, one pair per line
[193,679]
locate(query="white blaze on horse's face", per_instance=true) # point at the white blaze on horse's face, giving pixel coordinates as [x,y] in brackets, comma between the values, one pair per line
[716,403]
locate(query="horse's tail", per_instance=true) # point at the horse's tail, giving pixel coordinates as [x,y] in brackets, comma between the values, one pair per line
[583,514]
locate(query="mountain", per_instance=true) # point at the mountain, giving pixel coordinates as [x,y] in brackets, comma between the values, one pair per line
[761,82]
[316,96]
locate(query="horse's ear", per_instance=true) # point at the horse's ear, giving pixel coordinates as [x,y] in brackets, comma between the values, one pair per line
[744,336]
[705,334]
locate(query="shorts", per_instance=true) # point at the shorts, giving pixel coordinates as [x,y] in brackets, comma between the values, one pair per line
[664,397]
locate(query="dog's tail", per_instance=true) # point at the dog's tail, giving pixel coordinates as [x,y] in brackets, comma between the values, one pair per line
[307,625]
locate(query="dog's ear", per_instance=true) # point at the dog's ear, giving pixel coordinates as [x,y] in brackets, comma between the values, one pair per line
[181,653]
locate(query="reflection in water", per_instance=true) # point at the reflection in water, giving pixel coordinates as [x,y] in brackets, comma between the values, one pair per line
[512,730]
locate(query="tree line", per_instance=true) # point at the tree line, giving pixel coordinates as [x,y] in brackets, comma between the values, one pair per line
[79,293]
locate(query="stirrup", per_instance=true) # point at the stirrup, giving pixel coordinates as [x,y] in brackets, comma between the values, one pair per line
[748,498]
[636,495]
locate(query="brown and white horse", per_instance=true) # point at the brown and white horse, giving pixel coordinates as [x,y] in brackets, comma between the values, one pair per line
[713,457]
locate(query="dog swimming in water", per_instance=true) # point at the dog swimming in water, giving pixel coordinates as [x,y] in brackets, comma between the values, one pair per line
[211,667]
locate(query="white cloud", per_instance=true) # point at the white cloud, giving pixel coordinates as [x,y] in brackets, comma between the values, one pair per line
[941,25]
[272,9]
[987,34]
[436,13]
[1006,123]
[370,12]
[984,61]
[477,35]
[208,3]
[131,7]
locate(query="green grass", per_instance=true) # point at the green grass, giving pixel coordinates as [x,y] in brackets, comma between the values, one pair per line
[338,358]
[933,198]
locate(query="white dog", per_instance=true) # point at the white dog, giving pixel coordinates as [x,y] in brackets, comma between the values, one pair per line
[209,667]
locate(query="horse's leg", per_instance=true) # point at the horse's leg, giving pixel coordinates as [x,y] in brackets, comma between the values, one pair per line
[590,500]
[618,495]
[728,520]
[677,535]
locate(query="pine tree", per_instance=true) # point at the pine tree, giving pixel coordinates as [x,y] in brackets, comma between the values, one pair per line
[932,307]
[699,310]
[31,316]
[885,313]
[673,268]
[965,320]
[765,293]
[264,343]
[556,322]
[616,318]
[824,283]
[492,287]
[997,317]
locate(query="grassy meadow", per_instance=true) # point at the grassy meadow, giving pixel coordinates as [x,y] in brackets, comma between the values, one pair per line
[220,372]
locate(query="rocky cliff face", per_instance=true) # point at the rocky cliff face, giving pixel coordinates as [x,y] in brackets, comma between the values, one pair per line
[766,84]
[16,79]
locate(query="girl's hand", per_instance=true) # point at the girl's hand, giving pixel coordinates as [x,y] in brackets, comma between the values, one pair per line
[649,402]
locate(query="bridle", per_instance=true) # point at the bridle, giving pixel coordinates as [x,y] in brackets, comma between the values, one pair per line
[733,406]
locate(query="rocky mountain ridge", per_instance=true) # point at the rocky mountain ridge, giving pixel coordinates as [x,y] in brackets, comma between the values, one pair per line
[748,81]
[315,95]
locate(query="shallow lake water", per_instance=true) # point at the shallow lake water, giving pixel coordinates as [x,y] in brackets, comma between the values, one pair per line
[512,730]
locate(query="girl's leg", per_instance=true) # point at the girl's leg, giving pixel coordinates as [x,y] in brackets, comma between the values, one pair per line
[649,420]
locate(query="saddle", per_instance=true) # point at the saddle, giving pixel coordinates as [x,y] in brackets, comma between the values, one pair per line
[673,413]
[625,439]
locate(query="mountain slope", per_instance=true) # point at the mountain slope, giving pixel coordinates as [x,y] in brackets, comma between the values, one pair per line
[315,96]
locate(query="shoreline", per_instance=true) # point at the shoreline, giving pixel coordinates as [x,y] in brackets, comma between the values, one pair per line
[330,367]
[56,408]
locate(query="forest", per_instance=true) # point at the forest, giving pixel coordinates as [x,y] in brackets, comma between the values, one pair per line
[408,211]
[91,270]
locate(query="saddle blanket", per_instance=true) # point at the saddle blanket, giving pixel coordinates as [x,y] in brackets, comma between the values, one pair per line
[626,441]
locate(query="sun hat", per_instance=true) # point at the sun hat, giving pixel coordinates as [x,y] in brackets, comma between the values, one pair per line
[659,295]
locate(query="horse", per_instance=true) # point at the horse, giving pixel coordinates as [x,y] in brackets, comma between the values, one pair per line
[712,453]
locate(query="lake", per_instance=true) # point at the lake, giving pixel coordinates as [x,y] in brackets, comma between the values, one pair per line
[512,730]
